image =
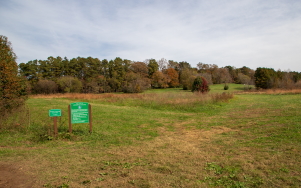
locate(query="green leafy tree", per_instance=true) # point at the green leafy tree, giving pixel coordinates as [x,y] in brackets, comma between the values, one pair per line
[152,67]
[185,78]
[12,87]
[69,84]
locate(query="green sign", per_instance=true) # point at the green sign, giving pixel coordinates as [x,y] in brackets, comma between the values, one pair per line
[55,112]
[79,112]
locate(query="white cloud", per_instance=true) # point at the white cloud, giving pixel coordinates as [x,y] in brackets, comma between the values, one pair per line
[238,33]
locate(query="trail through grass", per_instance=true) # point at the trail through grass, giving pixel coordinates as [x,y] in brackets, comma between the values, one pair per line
[250,141]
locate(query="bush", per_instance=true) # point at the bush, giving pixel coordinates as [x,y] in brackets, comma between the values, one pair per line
[46,87]
[200,84]
[226,87]
[69,84]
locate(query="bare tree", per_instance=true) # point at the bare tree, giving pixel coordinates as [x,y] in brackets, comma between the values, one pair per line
[163,63]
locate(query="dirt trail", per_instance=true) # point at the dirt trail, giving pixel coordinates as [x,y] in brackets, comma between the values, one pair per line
[12,176]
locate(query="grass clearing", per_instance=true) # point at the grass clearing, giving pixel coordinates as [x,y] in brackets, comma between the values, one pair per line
[250,141]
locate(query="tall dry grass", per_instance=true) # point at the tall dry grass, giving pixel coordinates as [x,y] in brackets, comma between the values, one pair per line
[179,101]
[274,91]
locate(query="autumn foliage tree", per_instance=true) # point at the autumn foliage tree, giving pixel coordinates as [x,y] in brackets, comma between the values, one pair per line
[173,77]
[200,85]
[12,87]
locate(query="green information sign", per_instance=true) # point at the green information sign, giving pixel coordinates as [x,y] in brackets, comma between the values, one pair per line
[79,112]
[55,112]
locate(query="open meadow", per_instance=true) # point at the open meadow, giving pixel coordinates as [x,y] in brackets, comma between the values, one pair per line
[160,138]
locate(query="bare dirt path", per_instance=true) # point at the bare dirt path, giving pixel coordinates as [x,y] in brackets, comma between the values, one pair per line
[12,176]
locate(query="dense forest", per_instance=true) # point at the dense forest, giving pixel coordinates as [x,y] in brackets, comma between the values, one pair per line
[91,75]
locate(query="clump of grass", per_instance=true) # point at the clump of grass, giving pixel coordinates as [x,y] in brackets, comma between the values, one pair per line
[17,119]
[229,176]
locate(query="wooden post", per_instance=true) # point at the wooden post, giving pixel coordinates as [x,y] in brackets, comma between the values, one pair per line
[90,117]
[69,114]
[55,125]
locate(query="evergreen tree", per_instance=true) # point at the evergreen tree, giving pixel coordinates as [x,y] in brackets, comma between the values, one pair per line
[265,78]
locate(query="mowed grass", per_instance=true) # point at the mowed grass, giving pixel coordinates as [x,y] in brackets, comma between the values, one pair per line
[252,140]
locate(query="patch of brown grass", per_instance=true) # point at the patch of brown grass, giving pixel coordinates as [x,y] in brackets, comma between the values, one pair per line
[174,99]
[87,96]
[273,91]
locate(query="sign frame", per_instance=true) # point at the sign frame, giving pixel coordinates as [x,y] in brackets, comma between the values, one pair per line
[80,112]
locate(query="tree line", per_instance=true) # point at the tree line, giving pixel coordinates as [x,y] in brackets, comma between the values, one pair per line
[91,75]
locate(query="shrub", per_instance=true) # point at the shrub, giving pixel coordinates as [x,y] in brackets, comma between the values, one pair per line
[200,85]
[69,84]
[46,87]
[226,87]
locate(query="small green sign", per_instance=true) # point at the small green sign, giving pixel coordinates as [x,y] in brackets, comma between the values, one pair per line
[79,112]
[55,112]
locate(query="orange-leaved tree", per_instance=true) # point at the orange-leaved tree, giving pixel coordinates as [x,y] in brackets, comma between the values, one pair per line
[173,76]
[12,87]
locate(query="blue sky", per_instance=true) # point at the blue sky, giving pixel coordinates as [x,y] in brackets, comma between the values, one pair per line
[252,33]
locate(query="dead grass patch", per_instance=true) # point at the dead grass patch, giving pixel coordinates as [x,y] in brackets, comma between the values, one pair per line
[161,97]
[176,101]
[272,91]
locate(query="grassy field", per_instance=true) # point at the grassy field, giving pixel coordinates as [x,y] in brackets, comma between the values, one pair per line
[162,138]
